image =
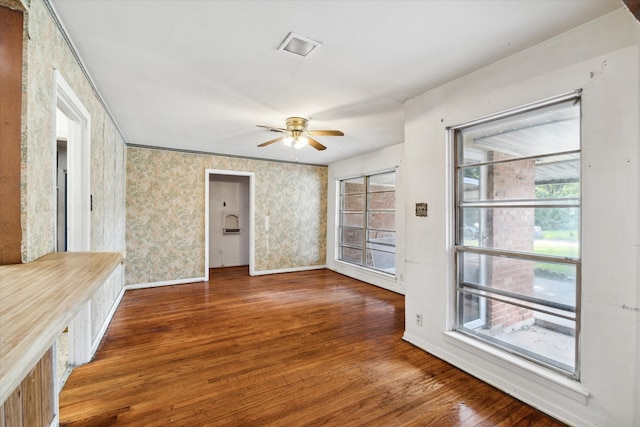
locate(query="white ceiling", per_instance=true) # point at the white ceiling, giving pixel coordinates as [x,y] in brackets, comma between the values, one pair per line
[199,75]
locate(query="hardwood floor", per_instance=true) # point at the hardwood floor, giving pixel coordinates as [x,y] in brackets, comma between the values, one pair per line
[308,348]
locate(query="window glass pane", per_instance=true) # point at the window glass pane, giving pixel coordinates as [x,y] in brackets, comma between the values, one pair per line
[352,202]
[387,238]
[352,219]
[351,236]
[473,309]
[382,182]
[548,282]
[548,178]
[541,336]
[382,201]
[354,185]
[381,260]
[351,255]
[551,129]
[544,231]
[381,220]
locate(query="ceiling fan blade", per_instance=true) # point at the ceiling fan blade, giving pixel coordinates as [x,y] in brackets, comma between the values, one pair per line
[271,128]
[315,144]
[264,144]
[325,132]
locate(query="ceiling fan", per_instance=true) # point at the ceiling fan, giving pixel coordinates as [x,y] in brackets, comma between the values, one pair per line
[297,135]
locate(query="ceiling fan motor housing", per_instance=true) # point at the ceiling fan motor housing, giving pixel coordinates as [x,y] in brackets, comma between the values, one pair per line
[297,125]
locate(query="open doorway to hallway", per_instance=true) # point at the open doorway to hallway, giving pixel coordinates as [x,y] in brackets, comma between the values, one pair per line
[229,208]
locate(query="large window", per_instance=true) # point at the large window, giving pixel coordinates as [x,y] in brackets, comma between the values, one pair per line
[517,232]
[367,230]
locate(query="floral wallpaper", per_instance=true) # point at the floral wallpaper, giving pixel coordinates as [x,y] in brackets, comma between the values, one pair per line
[46,51]
[165,213]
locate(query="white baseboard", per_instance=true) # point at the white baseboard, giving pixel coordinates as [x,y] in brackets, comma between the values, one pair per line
[288,270]
[165,283]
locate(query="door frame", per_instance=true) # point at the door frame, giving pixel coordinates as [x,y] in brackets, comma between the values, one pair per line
[78,164]
[207,176]
[78,200]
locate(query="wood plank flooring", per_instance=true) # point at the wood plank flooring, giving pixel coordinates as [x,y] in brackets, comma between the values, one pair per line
[308,348]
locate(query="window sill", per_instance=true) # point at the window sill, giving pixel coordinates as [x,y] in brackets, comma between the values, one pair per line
[381,273]
[378,278]
[530,370]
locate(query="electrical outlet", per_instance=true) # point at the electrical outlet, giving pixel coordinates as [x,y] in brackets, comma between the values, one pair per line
[220,251]
[419,319]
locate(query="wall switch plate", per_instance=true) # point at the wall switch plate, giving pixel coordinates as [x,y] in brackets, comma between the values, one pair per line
[421,209]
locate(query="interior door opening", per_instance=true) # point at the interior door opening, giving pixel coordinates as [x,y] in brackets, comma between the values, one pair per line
[229,219]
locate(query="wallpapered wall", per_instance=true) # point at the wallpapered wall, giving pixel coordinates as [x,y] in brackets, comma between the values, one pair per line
[47,51]
[166,217]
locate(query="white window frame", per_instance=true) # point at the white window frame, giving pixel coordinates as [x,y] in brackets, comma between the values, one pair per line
[456,224]
[365,227]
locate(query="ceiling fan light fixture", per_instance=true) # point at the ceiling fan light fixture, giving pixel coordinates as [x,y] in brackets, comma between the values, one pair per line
[296,135]
[301,141]
[295,141]
[299,45]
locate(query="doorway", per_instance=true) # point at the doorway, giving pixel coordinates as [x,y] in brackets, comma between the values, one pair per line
[61,181]
[229,219]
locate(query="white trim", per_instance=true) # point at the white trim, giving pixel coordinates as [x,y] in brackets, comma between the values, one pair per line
[287,270]
[451,303]
[388,281]
[103,329]
[252,219]
[165,283]
[541,375]
[78,164]
[362,268]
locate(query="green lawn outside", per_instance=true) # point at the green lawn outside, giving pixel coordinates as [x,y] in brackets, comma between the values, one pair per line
[556,248]
[568,235]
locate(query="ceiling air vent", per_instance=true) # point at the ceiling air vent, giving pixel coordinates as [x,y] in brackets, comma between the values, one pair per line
[299,45]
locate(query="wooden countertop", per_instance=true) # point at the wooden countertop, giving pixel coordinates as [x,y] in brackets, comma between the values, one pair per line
[38,300]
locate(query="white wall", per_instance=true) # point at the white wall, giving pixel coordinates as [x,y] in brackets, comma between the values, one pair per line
[603,59]
[384,160]
[228,194]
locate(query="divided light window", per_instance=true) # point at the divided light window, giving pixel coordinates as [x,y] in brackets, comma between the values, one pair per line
[367,230]
[517,232]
